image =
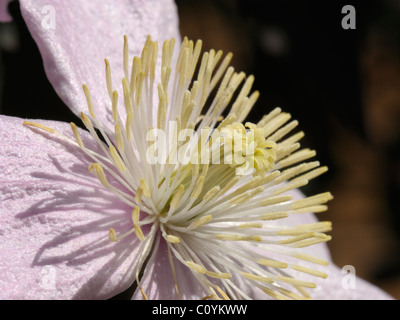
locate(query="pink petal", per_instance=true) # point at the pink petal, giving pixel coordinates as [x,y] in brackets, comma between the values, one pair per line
[336,287]
[158,281]
[4,14]
[75,37]
[55,218]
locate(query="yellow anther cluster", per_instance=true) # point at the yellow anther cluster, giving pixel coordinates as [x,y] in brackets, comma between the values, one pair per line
[248,148]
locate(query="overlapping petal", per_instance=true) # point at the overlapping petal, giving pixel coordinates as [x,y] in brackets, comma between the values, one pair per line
[74,37]
[54,220]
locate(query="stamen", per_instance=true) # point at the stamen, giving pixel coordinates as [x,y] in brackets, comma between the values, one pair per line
[218,275]
[125,56]
[284,131]
[274,216]
[291,294]
[297,157]
[272,263]
[236,237]
[76,135]
[297,238]
[311,175]
[88,102]
[247,196]
[250,225]
[323,226]
[86,121]
[314,209]
[40,126]
[211,193]
[198,188]
[313,241]
[275,200]
[145,188]
[172,239]
[296,282]
[135,215]
[228,186]
[117,159]
[290,186]
[274,294]
[128,123]
[177,197]
[138,232]
[138,195]
[136,69]
[257,277]
[98,169]
[200,221]
[108,78]
[309,258]
[209,297]
[127,97]
[196,267]
[276,123]
[222,293]
[119,137]
[114,101]
[162,107]
[269,116]
[309,271]
[112,235]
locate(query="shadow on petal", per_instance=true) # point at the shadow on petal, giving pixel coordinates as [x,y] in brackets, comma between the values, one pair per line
[73,214]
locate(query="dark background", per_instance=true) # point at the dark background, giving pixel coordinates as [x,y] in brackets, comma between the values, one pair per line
[342,85]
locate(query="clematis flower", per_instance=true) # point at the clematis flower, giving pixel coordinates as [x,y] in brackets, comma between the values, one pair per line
[87,213]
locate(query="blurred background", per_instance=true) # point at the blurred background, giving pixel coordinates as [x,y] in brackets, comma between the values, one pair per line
[343,85]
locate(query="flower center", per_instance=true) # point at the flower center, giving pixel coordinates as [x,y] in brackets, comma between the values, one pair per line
[210,186]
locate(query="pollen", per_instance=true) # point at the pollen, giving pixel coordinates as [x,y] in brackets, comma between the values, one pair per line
[213,188]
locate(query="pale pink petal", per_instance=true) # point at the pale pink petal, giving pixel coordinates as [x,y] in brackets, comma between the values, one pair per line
[75,37]
[337,287]
[4,14]
[158,281]
[55,218]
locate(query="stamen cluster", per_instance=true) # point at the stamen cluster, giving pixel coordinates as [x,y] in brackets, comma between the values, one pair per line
[216,210]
